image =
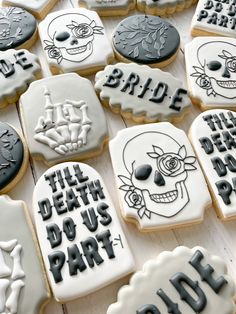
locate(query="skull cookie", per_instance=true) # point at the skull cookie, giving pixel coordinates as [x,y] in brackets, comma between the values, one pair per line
[75,40]
[155,170]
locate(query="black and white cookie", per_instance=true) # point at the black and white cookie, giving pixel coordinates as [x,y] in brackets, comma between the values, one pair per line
[109,7]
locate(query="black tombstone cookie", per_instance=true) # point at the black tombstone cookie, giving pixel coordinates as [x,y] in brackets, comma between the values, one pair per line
[146,39]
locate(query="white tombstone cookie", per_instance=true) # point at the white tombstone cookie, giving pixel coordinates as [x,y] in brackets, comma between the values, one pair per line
[109,7]
[142,93]
[185,281]
[213,137]
[156,174]
[74,40]
[211,72]
[82,243]
[63,119]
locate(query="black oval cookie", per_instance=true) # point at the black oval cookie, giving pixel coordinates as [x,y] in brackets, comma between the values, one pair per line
[17,28]
[146,39]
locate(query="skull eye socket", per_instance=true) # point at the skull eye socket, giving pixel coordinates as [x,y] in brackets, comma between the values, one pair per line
[82,31]
[214,65]
[142,172]
[62,36]
[231,64]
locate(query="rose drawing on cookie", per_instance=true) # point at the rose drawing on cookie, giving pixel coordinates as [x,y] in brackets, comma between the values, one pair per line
[156,178]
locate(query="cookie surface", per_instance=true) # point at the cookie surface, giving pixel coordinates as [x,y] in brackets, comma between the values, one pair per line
[17,28]
[92,251]
[186,281]
[156,174]
[213,137]
[146,39]
[142,93]
[23,285]
[211,68]
[66,121]
[18,68]
[75,40]
[109,7]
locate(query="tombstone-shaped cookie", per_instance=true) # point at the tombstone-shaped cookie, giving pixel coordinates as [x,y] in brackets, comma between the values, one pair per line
[213,137]
[109,7]
[63,119]
[157,175]
[75,41]
[185,281]
[211,71]
[18,68]
[23,285]
[82,243]
[142,93]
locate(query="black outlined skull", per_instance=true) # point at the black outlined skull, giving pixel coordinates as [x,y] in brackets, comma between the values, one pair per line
[218,59]
[159,173]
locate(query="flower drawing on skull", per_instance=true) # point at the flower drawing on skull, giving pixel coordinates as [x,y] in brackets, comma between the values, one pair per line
[157,177]
[217,71]
[71,37]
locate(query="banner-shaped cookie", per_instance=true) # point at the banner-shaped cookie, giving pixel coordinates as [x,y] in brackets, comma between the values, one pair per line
[23,286]
[213,137]
[109,7]
[185,281]
[82,243]
[157,174]
[142,93]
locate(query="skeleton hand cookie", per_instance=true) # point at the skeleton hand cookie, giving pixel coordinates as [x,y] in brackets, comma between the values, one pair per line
[75,41]
[156,170]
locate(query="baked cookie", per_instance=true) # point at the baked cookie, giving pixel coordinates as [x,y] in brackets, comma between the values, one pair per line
[109,7]
[146,39]
[18,28]
[92,251]
[211,72]
[23,284]
[39,8]
[74,40]
[67,121]
[18,68]
[155,171]
[214,17]
[141,93]
[184,281]
[13,157]
[213,137]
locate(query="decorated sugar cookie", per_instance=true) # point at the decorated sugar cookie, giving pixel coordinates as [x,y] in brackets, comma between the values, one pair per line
[18,68]
[82,243]
[211,67]
[185,281]
[213,137]
[142,93]
[66,121]
[39,8]
[18,28]
[146,39]
[155,170]
[23,285]
[214,17]
[75,40]
[109,7]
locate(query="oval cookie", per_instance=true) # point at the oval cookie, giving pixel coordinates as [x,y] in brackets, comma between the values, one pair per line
[82,243]
[109,7]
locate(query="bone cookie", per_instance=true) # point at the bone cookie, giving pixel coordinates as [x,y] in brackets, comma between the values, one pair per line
[39,8]
[66,121]
[213,137]
[211,68]
[75,40]
[184,281]
[109,7]
[23,285]
[156,170]
[18,28]
[146,39]
[142,93]
[13,157]
[18,68]
[214,17]
[82,243]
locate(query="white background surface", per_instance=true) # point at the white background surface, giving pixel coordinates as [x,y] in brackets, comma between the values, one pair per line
[216,236]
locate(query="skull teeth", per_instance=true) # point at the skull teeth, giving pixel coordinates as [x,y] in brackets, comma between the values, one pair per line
[168,197]
[227,84]
[81,49]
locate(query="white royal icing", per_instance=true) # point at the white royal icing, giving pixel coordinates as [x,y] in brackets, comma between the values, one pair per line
[35,5]
[112,6]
